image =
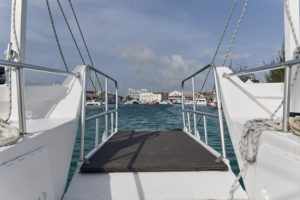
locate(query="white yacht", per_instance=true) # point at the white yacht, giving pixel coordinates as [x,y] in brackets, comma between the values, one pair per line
[93,102]
[37,136]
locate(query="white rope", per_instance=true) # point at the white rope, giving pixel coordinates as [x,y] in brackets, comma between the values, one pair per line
[9,134]
[248,145]
[11,55]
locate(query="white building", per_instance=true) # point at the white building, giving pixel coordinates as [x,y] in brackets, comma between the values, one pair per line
[175,96]
[134,94]
[150,97]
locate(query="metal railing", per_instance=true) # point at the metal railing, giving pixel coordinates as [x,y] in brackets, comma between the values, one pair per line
[84,119]
[21,104]
[18,66]
[203,114]
[287,84]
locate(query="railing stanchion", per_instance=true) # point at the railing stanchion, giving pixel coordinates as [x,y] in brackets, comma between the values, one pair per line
[189,122]
[194,108]
[117,98]
[112,122]
[219,103]
[21,105]
[83,102]
[182,105]
[106,109]
[286,98]
[97,133]
[205,129]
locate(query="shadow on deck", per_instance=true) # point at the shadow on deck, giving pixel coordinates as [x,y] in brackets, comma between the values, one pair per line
[152,151]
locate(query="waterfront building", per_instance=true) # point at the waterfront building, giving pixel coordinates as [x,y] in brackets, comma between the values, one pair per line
[134,94]
[164,95]
[175,96]
[149,97]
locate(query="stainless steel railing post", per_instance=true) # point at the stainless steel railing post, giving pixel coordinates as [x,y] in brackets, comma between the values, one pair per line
[194,108]
[21,104]
[220,114]
[182,106]
[106,109]
[83,102]
[112,122]
[286,97]
[117,126]
[97,132]
[205,129]
[189,122]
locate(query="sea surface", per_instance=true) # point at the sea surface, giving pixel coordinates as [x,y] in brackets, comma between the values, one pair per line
[153,117]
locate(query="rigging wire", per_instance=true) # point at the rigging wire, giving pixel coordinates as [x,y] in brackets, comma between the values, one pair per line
[219,44]
[84,42]
[70,30]
[73,38]
[216,52]
[56,37]
[235,32]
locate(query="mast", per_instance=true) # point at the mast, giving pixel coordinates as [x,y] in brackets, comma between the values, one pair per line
[290,45]
[17,39]
[292,6]
[18,27]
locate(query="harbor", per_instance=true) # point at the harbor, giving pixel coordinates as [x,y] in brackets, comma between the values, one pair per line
[167,110]
[142,96]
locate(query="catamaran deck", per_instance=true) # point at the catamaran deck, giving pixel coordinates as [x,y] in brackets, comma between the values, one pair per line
[153,165]
[152,151]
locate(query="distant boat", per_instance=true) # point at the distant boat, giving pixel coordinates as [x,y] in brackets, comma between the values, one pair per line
[201,102]
[93,102]
[164,103]
[135,102]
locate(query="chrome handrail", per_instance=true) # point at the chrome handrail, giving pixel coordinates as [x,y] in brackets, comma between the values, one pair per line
[83,77]
[204,114]
[287,84]
[114,125]
[275,66]
[20,88]
[201,113]
[98,115]
[20,65]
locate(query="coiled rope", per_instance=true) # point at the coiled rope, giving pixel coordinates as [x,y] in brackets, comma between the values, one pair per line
[248,145]
[253,128]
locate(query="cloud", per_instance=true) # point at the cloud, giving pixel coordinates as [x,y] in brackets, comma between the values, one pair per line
[160,72]
[136,53]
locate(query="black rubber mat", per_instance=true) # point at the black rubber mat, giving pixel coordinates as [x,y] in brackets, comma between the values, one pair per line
[152,151]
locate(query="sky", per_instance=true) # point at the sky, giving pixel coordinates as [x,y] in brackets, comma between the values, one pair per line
[151,44]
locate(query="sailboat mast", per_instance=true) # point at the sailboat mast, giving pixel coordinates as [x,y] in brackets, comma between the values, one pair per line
[17,39]
[291,9]
[18,27]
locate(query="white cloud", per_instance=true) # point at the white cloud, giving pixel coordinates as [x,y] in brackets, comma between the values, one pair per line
[136,53]
[160,72]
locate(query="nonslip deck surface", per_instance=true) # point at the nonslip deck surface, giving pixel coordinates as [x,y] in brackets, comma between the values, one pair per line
[152,151]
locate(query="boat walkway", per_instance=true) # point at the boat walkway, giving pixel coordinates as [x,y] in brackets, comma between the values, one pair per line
[152,151]
[153,165]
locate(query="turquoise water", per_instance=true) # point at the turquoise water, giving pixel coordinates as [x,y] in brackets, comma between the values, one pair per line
[153,117]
